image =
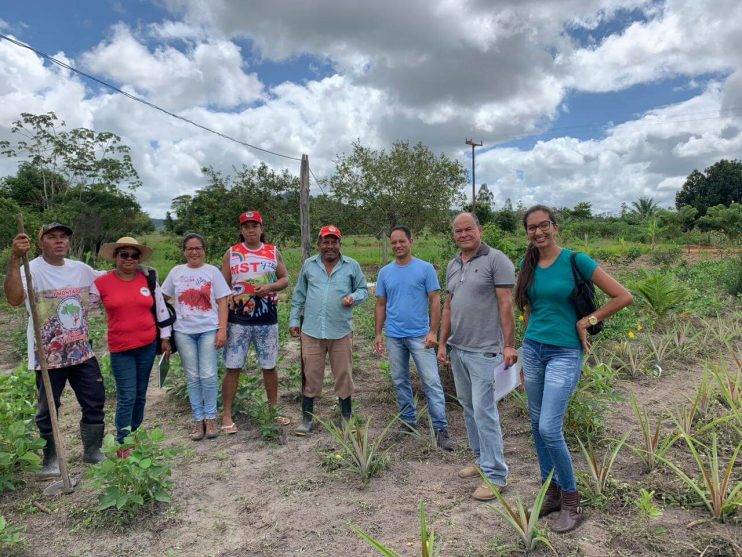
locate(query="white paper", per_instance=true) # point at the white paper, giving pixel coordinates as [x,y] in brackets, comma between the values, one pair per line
[507,379]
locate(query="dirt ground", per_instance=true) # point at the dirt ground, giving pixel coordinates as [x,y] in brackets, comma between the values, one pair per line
[236,496]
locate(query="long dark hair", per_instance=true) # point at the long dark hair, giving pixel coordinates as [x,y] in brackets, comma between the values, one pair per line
[525,278]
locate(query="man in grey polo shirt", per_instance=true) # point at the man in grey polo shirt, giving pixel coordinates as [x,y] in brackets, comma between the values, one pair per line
[478,324]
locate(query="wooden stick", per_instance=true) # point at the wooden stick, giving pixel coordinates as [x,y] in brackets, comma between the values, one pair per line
[61,457]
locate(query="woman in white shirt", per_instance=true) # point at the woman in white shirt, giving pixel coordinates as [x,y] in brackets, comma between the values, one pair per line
[199,293]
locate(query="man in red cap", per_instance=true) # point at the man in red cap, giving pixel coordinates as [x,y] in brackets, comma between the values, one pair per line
[256,272]
[328,287]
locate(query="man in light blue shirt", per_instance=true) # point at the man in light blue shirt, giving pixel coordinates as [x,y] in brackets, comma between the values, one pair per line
[328,287]
[404,290]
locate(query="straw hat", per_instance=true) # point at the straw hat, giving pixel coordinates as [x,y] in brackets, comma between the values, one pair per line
[107,250]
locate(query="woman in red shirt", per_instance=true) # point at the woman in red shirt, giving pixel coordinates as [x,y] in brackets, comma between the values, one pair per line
[126,297]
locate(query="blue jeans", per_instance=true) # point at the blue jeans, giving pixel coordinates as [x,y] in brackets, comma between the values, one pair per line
[552,374]
[131,371]
[400,350]
[200,360]
[474,375]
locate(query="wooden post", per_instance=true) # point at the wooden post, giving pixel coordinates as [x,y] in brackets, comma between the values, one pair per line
[306,243]
[61,457]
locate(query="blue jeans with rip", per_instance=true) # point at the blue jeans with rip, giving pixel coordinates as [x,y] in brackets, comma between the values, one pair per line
[400,350]
[474,375]
[200,360]
[131,370]
[551,374]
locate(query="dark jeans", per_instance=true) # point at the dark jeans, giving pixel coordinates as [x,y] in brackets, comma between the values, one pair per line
[131,370]
[87,383]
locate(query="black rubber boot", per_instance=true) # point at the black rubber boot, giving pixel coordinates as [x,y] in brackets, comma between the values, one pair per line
[307,409]
[92,439]
[552,501]
[346,408]
[50,464]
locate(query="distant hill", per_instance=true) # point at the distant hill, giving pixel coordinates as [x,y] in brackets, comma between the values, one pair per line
[159,224]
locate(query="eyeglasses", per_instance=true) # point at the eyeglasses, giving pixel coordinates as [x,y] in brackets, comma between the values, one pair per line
[194,249]
[129,255]
[543,225]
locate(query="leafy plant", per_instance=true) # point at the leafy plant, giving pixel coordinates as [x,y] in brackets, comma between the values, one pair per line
[719,492]
[730,387]
[12,540]
[653,446]
[682,335]
[660,349]
[18,454]
[585,414]
[141,479]
[661,293]
[645,504]
[429,545]
[362,456]
[630,357]
[733,276]
[522,520]
[599,471]
[685,416]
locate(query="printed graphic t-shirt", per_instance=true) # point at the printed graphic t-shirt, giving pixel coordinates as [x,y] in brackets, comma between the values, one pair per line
[128,306]
[249,268]
[195,292]
[62,293]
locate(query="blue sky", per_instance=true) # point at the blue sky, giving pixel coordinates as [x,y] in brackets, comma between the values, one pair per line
[583,100]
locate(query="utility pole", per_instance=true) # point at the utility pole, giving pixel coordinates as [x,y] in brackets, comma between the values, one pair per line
[306,246]
[473,181]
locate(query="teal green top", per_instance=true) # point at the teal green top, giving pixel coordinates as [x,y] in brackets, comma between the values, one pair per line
[553,317]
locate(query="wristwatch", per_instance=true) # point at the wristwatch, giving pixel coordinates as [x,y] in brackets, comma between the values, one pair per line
[592,320]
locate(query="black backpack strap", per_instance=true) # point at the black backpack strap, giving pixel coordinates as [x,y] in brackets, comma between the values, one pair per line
[575,271]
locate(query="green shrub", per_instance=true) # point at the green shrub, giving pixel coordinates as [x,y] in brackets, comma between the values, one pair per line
[585,416]
[661,292]
[141,479]
[733,276]
[666,256]
[514,246]
[12,541]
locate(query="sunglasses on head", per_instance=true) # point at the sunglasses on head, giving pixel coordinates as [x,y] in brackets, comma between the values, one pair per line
[129,255]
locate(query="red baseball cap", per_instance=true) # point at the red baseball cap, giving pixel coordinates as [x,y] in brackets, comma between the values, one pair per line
[251,216]
[330,230]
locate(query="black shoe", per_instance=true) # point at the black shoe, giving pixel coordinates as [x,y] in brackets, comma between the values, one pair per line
[50,464]
[307,413]
[346,408]
[443,440]
[92,439]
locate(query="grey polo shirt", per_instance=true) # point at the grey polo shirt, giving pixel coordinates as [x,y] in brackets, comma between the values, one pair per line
[475,317]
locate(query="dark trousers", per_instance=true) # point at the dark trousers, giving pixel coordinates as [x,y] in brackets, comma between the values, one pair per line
[87,383]
[131,369]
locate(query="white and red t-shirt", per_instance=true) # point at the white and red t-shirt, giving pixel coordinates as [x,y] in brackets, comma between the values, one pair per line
[251,267]
[62,293]
[195,293]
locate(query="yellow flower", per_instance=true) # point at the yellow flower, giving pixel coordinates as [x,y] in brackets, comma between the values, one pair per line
[631,334]
[520,318]
[338,456]
[639,327]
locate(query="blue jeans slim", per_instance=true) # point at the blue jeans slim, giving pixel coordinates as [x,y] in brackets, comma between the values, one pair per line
[200,360]
[551,374]
[131,370]
[474,375]
[400,350]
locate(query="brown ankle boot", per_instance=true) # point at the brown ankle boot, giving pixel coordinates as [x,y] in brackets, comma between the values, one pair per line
[570,516]
[197,433]
[211,430]
[552,501]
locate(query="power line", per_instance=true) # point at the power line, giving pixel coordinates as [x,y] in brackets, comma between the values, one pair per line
[141,100]
[316,181]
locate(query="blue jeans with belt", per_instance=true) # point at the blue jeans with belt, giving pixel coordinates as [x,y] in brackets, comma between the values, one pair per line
[131,370]
[551,373]
[200,360]
[474,375]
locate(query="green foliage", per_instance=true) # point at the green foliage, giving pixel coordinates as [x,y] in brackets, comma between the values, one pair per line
[130,483]
[644,208]
[522,520]
[661,293]
[512,246]
[653,445]
[646,506]
[733,276]
[429,545]
[585,415]
[12,541]
[719,184]
[726,219]
[359,454]
[666,256]
[599,470]
[506,218]
[408,185]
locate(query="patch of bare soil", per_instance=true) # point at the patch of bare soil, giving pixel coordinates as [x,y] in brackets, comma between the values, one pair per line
[236,496]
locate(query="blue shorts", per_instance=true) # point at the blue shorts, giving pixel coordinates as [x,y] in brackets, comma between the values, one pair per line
[239,339]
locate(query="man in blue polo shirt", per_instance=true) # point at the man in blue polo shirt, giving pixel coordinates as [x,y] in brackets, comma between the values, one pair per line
[404,290]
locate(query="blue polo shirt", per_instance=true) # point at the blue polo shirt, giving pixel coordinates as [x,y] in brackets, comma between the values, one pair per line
[406,289]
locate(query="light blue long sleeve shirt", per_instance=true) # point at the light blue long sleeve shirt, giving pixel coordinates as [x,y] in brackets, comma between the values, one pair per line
[320,297]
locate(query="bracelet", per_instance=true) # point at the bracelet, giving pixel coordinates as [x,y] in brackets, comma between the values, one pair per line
[510,346]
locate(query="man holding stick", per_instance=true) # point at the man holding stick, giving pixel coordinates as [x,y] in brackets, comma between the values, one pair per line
[61,287]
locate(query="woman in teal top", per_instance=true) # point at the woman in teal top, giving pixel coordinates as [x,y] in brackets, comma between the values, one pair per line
[554,344]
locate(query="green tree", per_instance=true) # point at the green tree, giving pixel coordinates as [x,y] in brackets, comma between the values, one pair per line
[726,219]
[582,211]
[719,184]
[408,185]
[484,208]
[644,208]
[674,223]
[506,218]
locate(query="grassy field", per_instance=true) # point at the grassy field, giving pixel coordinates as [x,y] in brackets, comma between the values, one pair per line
[666,374]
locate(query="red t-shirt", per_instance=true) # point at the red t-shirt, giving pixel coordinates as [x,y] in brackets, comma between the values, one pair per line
[129,308]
